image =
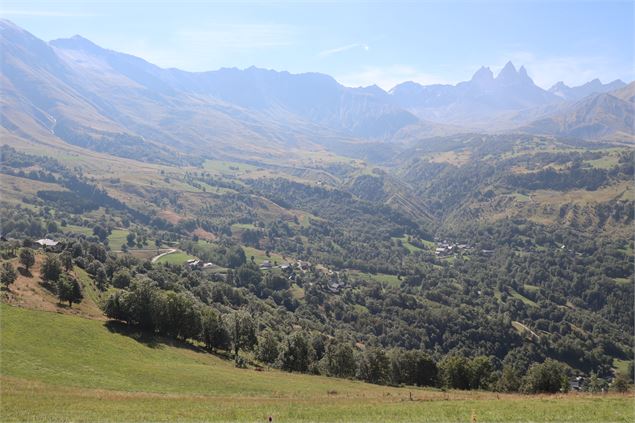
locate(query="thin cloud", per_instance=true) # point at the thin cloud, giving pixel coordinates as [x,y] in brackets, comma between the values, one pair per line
[342,49]
[242,36]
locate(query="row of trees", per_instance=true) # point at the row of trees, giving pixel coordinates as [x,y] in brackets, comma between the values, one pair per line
[178,315]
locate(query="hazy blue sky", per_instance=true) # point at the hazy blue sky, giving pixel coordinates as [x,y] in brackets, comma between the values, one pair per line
[359,43]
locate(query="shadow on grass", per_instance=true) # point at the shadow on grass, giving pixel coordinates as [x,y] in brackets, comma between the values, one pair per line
[153,340]
[147,339]
[25,272]
[49,286]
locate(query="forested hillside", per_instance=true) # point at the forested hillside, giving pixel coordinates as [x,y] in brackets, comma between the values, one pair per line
[327,275]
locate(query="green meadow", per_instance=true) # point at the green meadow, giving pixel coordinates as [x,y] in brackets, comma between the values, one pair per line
[177,257]
[58,368]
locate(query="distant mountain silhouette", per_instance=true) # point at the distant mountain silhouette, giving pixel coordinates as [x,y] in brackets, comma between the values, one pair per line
[481,100]
[592,87]
[74,90]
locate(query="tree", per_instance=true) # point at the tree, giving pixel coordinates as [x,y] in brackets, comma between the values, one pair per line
[8,275]
[339,359]
[481,372]
[27,258]
[620,382]
[141,304]
[131,238]
[509,380]
[242,329]
[596,384]
[251,237]
[214,334]
[235,257]
[67,260]
[550,377]
[455,372]
[176,315]
[77,251]
[68,289]
[374,366]
[51,268]
[267,348]
[248,274]
[101,278]
[100,232]
[295,353]
[51,227]
[275,282]
[413,368]
[121,278]
[118,306]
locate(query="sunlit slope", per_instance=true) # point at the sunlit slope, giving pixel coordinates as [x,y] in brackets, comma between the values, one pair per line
[64,368]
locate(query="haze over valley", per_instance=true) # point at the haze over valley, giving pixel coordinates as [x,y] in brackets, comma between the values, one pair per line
[249,244]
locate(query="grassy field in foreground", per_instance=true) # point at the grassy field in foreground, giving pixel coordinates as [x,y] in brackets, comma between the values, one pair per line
[64,368]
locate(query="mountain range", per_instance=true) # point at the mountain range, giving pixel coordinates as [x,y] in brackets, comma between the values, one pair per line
[73,90]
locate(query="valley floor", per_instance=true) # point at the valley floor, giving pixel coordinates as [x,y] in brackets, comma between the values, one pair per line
[57,368]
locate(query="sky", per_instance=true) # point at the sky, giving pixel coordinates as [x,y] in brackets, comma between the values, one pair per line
[359,43]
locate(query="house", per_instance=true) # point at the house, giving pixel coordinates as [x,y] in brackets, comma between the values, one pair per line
[334,287]
[576,384]
[266,265]
[304,265]
[195,264]
[46,242]
[440,251]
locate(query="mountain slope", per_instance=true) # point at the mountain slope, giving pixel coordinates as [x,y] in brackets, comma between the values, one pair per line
[280,96]
[71,91]
[106,101]
[602,116]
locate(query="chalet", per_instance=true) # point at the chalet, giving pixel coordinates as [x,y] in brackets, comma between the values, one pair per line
[334,287]
[195,264]
[576,384]
[304,265]
[266,265]
[439,251]
[46,242]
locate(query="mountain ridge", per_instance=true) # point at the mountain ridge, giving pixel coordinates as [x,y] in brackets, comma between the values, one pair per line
[84,94]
